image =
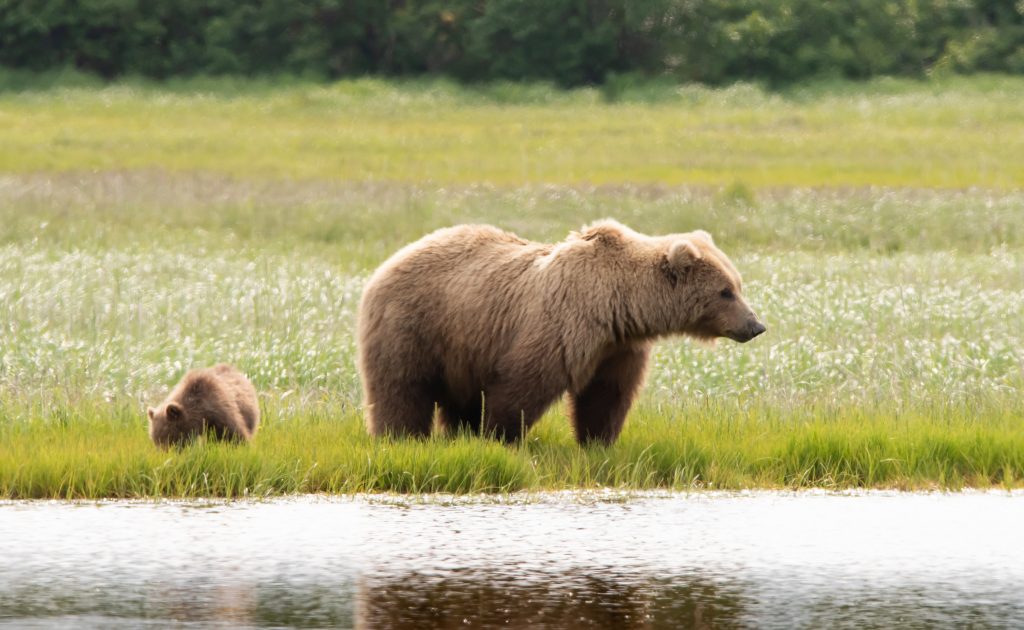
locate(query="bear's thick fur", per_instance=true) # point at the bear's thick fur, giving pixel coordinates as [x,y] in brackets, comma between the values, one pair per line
[491,328]
[219,399]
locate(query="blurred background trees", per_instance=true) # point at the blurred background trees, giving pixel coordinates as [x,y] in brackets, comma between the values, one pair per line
[570,42]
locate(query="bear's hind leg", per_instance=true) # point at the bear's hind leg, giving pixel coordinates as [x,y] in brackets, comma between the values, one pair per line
[455,417]
[405,410]
[511,408]
[599,411]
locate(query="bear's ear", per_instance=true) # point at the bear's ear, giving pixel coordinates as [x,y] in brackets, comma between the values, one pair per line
[150,412]
[704,235]
[680,257]
[605,232]
[175,412]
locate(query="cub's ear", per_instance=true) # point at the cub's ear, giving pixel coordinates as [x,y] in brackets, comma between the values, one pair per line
[150,412]
[175,412]
[678,260]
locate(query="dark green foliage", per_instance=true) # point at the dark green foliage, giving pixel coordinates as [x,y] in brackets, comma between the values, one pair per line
[785,40]
[571,42]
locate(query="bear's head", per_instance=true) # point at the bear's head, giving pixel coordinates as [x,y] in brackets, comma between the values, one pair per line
[705,289]
[171,424]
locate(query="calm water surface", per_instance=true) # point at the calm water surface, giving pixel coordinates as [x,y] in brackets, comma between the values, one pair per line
[806,560]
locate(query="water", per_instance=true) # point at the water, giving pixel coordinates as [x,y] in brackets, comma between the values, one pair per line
[805,560]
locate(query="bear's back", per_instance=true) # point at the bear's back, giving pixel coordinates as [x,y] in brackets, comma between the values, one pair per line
[221,395]
[465,261]
[243,393]
[458,296]
[448,248]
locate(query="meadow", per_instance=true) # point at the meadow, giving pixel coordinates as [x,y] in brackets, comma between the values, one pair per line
[950,133]
[147,229]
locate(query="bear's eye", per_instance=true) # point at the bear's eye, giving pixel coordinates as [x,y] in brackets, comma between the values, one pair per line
[727,294]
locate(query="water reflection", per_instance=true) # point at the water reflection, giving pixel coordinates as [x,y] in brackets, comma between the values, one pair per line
[560,601]
[699,561]
[201,603]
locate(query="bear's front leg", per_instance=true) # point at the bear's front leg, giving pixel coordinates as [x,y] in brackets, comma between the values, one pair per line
[599,410]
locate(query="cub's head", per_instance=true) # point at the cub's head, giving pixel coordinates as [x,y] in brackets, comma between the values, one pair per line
[707,290]
[171,425]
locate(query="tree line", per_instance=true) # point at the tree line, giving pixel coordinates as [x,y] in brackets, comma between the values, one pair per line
[569,42]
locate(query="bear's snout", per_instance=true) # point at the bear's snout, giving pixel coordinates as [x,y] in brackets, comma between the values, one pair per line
[752,329]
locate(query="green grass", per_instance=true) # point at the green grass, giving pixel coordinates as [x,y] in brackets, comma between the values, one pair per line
[952,134]
[894,356]
[322,448]
[360,224]
[883,367]
[844,327]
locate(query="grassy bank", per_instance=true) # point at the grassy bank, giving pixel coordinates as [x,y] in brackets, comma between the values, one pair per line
[951,134]
[323,447]
[893,359]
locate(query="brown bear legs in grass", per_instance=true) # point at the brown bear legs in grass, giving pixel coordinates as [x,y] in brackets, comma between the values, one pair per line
[599,410]
[401,409]
[505,409]
[453,416]
[412,413]
[512,406]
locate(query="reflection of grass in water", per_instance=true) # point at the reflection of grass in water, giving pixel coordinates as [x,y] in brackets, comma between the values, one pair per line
[102,451]
[957,133]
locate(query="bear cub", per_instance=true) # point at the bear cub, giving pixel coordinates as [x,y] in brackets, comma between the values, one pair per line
[219,399]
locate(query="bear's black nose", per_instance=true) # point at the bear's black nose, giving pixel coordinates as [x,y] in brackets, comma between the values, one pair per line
[750,330]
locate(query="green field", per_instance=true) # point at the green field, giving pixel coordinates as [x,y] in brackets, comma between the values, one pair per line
[145,230]
[952,134]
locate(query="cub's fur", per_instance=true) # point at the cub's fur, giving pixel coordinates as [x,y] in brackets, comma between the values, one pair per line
[218,399]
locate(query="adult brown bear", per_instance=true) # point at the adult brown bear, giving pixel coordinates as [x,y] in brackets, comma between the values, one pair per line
[491,328]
